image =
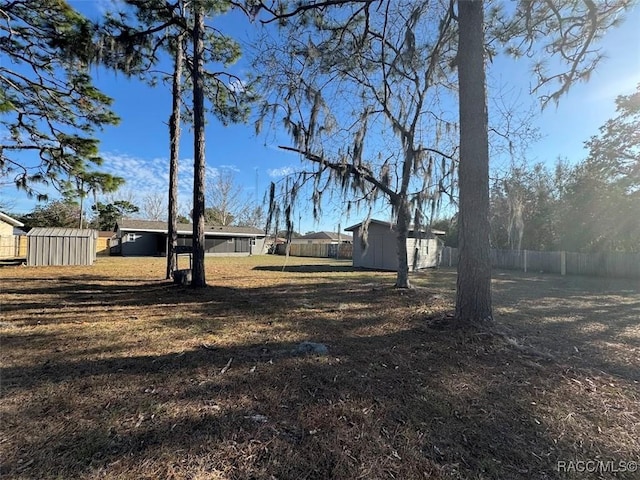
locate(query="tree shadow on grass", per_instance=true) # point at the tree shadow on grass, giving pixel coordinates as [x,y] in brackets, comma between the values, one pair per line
[588,322]
[307,268]
[392,398]
[407,404]
[555,314]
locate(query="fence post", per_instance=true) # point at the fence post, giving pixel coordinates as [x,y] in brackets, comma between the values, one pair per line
[450,256]
[563,263]
[525,261]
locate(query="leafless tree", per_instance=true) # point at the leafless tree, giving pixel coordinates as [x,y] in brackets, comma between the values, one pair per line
[226,199]
[154,206]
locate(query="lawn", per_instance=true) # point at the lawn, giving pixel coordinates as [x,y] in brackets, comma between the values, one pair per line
[111,372]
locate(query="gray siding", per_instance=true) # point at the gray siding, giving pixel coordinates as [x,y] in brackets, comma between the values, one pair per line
[61,247]
[139,243]
[382,253]
[381,250]
[258,247]
[226,245]
[423,253]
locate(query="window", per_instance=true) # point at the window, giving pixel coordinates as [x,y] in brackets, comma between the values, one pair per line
[230,240]
[131,237]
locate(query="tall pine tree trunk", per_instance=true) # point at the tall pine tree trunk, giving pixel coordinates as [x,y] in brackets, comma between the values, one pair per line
[174,133]
[198,275]
[473,297]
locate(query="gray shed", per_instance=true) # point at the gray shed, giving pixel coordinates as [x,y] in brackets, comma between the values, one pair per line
[61,246]
[423,247]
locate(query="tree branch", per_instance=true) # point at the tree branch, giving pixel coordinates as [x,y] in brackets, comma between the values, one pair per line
[363,172]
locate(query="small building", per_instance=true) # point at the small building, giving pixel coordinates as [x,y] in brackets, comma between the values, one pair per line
[61,246]
[149,238]
[423,247]
[9,237]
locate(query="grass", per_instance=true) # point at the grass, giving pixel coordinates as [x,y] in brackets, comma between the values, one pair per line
[110,372]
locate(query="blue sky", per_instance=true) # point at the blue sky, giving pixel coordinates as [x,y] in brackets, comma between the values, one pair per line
[137,149]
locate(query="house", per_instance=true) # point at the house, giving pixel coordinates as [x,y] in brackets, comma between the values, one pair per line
[147,237]
[9,241]
[320,244]
[61,246]
[423,247]
[322,238]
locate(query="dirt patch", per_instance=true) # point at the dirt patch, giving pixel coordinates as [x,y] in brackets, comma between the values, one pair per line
[110,372]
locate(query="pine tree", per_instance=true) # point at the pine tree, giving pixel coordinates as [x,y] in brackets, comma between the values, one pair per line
[133,42]
[566,30]
[50,109]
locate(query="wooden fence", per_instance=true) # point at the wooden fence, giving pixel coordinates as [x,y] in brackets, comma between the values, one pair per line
[342,250]
[102,246]
[13,246]
[16,246]
[602,264]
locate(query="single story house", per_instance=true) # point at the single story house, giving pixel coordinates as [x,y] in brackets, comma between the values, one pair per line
[321,244]
[9,241]
[322,238]
[149,238]
[423,247]
[61,246]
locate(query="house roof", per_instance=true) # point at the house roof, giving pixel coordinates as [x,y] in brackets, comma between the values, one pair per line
[134,225]
[326,236]
[60,232]
[11,221]
[392,226]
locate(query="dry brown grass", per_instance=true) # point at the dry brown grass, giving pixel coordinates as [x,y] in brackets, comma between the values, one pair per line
[109,372]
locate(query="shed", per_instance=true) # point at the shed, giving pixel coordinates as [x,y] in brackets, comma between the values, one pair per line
[423,247]
[61,246]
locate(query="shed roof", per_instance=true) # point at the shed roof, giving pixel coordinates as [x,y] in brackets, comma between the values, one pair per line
[11,221]
[134,225]
[392,226]
[60,232]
